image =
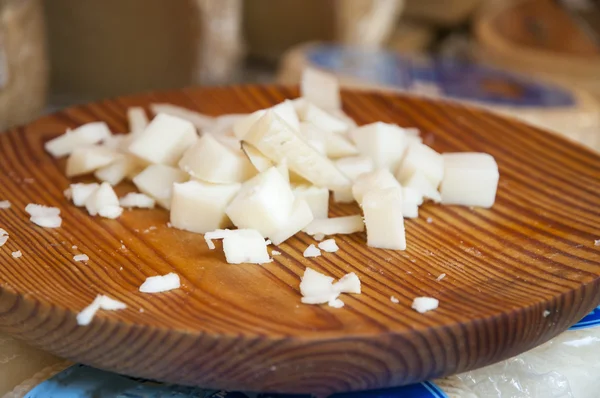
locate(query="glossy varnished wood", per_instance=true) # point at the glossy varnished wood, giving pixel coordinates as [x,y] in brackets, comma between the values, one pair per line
[243,327]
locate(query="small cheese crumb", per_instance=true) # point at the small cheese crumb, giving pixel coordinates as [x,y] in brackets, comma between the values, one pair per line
[17,254]
[349,283]
[429,220]
[141,310]
[158,284]
[311,251]
[424,304]
[319,237]
[81,257]
[268,242]
[74,247]
[442,276]
[275,253]
[394,300]
[336,303]
[329,246]
[44,216]
[169,225]
[138,200]
[597,242]
[3,237]
[101,302]
[546,313]
[4,204]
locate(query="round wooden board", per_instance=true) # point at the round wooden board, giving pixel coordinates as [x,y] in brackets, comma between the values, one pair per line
[517,274]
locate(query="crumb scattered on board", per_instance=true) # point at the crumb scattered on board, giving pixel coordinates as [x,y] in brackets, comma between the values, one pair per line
[442,276]
[275,253]
[546,313]
[597,242]
[4,204]
[3,237]
[429,220]
[312,251]
[81,257]
[394,300]
[17,254]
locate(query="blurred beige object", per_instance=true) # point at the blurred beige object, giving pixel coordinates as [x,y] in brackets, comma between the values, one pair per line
[220,44]
[539,39]
[410,37]
[20,363]
[23,62]
[579,122]
[271,27]
[366,22]
[441,12]
[114,47]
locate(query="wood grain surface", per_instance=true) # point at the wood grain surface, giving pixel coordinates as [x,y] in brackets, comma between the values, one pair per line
[243,327]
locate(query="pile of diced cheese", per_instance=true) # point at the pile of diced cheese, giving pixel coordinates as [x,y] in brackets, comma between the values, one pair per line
[270,173]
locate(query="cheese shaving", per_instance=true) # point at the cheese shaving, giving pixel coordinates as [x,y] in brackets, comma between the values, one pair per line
[101,302]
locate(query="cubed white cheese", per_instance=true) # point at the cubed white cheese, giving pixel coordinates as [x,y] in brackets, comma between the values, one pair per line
[329,246]
[85,160]
[354,166]
[264,203]
[424,304]
[383,217]
[423,186]
[210,161]
[258,160]
[137,119]
[241,245]
[199,120]
[164,140]
[470,179]
[411,200]
[241,127]
[314,136]
[161,283]
[101,302]
[384,143]
[300,216]
[317,198]
[286,111]
[276,140]
[378,179]
[199,206]
[282,167]
[349,283]
[104,202]
[426,160]
[343,195]
[336,225]
[88,134]
[312,251]
[223,125]
[80,193]
[126,166]
[320,88]
[47,222]
[139,200]
[309,112]
[157,181]
[343,116]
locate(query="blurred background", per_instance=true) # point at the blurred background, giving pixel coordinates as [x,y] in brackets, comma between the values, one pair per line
[534,59]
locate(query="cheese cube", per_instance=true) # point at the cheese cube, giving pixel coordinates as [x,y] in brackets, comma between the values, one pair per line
[137,119]
[85,160]
[384,143]
[117,171]
[258,160]
[209,160]
[264,203]
[348,283]
[314,136]
[378,179]
[164,140]
[241,245]
[314,284]
[276,140]
[354,166]
[426,160]
[383,217]
[411,200]
[336,225]
[470,179]
[242,126]
[309,112]
[320,88]
[343,195]
[317,199]
[80,193]
[88,134]
[423,186]
[286,111]
[199,120]
[157,181]
[299,218]
[104,202]
[199,206]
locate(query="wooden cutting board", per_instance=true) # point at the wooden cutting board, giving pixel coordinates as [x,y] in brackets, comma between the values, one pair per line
[517,274]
